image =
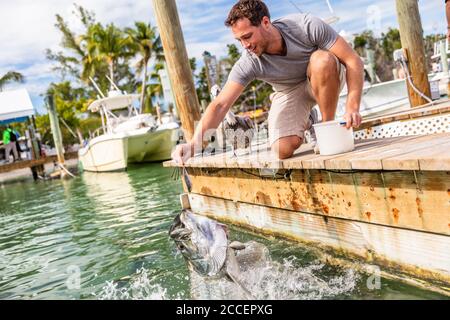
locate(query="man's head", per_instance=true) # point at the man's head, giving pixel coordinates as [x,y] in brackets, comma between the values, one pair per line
[250,23]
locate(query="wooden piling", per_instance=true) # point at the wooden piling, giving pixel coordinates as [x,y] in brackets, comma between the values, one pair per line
[179,69]
[411,36]
[56,131]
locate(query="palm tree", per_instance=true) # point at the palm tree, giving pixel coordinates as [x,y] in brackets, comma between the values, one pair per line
[147,44]
[154,89]
[107,44]
[11,76]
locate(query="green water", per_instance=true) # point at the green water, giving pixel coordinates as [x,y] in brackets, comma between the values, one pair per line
[105,236]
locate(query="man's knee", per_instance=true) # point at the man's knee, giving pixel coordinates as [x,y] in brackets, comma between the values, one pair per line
[322,63]
[284,147]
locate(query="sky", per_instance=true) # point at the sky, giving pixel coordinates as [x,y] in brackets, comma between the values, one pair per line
[27,27]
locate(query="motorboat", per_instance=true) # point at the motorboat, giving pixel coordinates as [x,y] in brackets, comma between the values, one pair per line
[126,136]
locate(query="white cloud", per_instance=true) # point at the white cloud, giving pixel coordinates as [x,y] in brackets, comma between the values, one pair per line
[28,25]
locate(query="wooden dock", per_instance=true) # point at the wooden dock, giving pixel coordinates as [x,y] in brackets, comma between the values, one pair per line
[386,203]
[33,163]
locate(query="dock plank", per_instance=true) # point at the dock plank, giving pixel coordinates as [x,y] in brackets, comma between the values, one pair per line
[399,153]
[33,163]
[343,161]
[373,160]
[419,254]
[434,156]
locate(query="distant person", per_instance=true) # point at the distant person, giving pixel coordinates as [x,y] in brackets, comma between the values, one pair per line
[302,58]
[18,148]
[9,141]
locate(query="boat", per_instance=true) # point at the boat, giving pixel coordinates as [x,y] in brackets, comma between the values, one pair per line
[126,136]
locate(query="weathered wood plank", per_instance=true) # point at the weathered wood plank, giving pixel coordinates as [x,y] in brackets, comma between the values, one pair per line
[434,157]
[388,198]
[434,206]
[411,155]
[388,154]
[344,161]
[419,254]
[373,160]
[33,163]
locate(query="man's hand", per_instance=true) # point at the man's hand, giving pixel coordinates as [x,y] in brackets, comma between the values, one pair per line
[448,33]
[182,153]
[352,119]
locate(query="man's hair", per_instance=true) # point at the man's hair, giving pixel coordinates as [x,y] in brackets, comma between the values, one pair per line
[253,10]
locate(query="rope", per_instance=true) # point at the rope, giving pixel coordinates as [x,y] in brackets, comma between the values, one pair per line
[409,78]
[65,170]
[68,128]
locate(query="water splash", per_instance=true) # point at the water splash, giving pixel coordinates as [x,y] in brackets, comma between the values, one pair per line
[141,287]
[286,280]
[289,280]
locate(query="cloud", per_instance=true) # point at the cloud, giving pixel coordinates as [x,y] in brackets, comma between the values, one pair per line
[28,26]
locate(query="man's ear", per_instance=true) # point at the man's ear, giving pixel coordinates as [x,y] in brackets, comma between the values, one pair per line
[265,21]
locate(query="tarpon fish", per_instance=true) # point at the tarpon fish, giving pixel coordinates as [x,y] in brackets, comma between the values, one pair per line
[235,130]
[203,242]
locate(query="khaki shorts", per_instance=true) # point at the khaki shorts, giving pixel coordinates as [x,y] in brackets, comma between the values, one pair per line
[289,112]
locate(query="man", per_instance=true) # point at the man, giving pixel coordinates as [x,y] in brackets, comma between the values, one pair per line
[305,61]
[9,141]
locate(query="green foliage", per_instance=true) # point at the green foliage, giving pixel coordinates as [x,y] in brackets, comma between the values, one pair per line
[202,86]
[98,51]
[144,40]
[193,65]
[383,48]
[233,53]
[69,103]
[10,76]
[390,43]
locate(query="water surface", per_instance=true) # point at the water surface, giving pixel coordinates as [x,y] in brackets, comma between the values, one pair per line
[105,236]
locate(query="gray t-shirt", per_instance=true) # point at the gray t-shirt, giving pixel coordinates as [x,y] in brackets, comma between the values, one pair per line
[303,34]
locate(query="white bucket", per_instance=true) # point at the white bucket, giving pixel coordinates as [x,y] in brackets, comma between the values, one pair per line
[333,137]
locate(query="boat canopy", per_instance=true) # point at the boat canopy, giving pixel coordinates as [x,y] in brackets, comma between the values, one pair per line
[119,101]
[15,106]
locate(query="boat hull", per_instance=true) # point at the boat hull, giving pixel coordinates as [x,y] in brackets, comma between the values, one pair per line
[104,155]
[152,147]
[115,152]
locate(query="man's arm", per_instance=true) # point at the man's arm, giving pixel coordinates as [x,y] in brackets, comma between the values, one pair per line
[447,13]
[214,114]
[355,80]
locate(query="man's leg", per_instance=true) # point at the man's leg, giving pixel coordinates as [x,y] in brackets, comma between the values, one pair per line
[288,119]
[8,149]
[285,147]
[14,150]
[323,74]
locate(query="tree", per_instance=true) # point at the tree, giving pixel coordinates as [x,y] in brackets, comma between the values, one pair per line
[74,61]
[108,44]
[154,89]
[11,76]
[95,52]
[147,44]
[233,54]
[69,102]
[383,48]
[390,42]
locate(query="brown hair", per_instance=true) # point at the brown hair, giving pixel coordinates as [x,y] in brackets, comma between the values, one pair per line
[253,10]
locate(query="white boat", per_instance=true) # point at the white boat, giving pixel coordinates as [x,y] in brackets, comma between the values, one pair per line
[125,139]
[390,96]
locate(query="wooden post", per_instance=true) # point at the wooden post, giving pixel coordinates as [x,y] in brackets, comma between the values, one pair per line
[178,66]
[411,35]
[56,131]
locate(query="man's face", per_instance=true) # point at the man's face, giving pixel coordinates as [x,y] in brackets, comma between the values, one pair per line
[252,38]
